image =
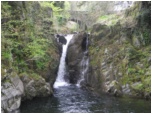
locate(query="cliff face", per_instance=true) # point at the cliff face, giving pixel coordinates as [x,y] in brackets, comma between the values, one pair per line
[28,49]
[120,53]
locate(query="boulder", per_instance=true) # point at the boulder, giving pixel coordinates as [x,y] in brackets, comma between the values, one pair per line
[12,90]
[35,87]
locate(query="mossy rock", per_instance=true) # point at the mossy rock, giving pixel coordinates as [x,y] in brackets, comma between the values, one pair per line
[30,76]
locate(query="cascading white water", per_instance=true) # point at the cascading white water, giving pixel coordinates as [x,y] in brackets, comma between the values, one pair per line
[84,70]
[60,81]
[84,65]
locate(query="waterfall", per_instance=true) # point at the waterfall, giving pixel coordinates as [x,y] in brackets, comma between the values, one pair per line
[60,81]
[84,65]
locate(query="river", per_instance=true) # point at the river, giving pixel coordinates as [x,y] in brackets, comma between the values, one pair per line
[71,98]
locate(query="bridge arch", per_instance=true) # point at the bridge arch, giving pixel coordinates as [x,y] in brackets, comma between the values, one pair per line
[81,24]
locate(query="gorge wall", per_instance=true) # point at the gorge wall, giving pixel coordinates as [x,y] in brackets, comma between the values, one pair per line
[30,54]
[120,59]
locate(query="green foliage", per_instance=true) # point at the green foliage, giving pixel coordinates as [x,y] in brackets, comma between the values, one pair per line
[40,64]
[147,37]
[66,5]
[7,54]
[147,84]
[5,9]
[60,15]
[51,5]
[106,17]
[35,49]
[131,70]
[135,55]
[111,19]
[23,48]
[35,76]
[46,4]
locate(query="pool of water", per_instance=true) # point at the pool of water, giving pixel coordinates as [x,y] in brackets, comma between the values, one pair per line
[71,98]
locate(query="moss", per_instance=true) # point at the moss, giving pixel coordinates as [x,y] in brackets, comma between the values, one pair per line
[138,87]
[109,20]
[147,37]
[30,75]
[35,76]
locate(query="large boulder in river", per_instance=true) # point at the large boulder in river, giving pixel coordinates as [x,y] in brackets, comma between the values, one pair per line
[12,90]
[75,52]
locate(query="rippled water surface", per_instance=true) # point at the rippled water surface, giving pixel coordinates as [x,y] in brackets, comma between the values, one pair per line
[74,99]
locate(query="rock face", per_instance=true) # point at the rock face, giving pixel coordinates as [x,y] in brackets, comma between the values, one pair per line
[75,52]
[61,39]
[119,55]
[12,90]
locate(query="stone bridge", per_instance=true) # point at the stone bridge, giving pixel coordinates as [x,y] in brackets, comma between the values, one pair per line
[80,17]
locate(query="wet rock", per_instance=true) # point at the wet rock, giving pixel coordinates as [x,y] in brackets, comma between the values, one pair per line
[75,55]
[61,39]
